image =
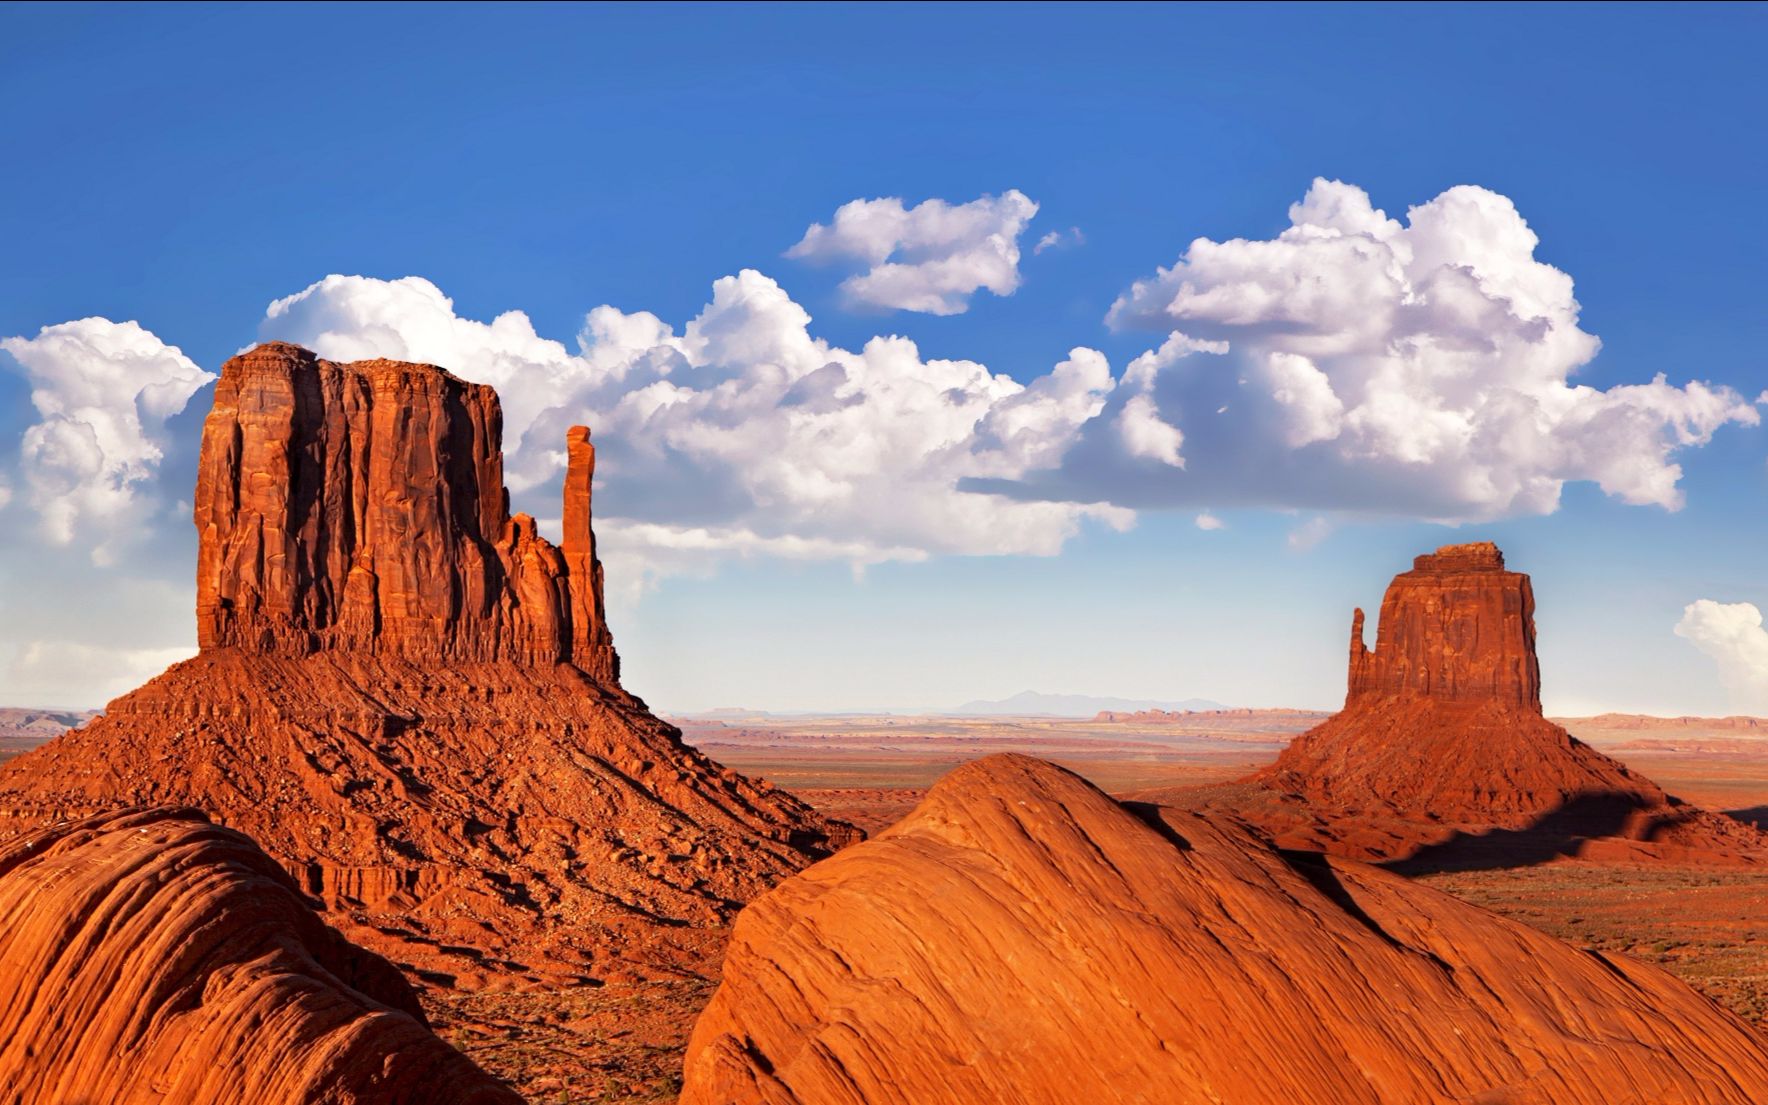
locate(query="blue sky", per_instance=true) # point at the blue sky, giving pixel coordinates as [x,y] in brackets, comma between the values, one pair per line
[183,168]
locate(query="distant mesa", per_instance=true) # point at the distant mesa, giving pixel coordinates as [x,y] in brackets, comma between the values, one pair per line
[1021,937]
[153,957]
[411,699]
[1441,754]
[1735,723]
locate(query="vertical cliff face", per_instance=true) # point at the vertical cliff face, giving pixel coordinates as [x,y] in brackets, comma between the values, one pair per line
[410,698]
[592,646]
[1458,627]
[361,507]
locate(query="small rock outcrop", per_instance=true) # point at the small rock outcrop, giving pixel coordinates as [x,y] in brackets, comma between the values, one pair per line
[1023,938]
[411,699]
[1442,734]
[150,956]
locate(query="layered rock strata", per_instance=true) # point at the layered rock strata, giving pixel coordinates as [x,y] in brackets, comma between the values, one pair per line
[1442,735]
[1022,938]
[150,956]
[410,698]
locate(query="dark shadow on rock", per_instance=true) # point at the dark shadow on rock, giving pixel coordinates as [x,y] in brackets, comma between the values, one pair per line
[1315,868]
[1562,831]
[1753,815]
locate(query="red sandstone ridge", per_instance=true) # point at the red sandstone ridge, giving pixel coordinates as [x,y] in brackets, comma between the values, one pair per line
[1022,938]
[410,698]
[1442,735]
[150,956]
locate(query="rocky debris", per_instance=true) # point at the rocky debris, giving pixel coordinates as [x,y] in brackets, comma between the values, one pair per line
[1022,938]
[410,698]
[151,956]
[1442,735]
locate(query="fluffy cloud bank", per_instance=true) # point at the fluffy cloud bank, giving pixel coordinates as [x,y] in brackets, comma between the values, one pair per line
[1358,364]
[931,257]
[1352,365]
[103,392]
[1732,634]
[742,434]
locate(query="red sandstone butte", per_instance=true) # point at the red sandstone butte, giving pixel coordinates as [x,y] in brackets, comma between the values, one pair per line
[152,957]
[1442,740]
[410,698]
[1020,937]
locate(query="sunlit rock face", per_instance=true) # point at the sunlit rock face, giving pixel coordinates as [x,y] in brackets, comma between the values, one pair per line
[411,699]
[150,956]
[1442,735]
[1021,937]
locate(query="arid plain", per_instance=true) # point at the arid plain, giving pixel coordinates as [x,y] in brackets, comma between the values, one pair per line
[623,1040]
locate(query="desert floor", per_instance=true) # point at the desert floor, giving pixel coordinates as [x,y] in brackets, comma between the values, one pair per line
[623,1041]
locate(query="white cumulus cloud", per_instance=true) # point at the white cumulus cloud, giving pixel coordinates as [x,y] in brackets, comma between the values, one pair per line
[1209,523]
[1359,364]
[103,392]
[72,673]
[742,434]
[931,257]
[1732,634]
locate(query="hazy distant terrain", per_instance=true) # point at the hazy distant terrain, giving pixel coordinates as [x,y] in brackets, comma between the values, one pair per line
[24,728]
[1036,703]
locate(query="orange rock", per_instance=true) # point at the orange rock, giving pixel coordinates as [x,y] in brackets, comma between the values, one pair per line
[361,507]
[150,956]
[410,699]
[1442,737]
[1022,938]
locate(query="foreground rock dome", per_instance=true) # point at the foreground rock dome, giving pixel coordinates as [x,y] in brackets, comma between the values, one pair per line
[1020,937]
[151,957]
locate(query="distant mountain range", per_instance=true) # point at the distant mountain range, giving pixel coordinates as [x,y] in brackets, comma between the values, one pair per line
[1023,704]
[1037,704]
[23,729]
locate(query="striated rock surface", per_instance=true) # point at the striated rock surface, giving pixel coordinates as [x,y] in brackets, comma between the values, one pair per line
[1442,735]
[410,699]
[1022,938]
[361,508]
[150,956]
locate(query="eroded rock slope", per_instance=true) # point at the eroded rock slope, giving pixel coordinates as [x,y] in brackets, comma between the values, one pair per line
[410,698]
